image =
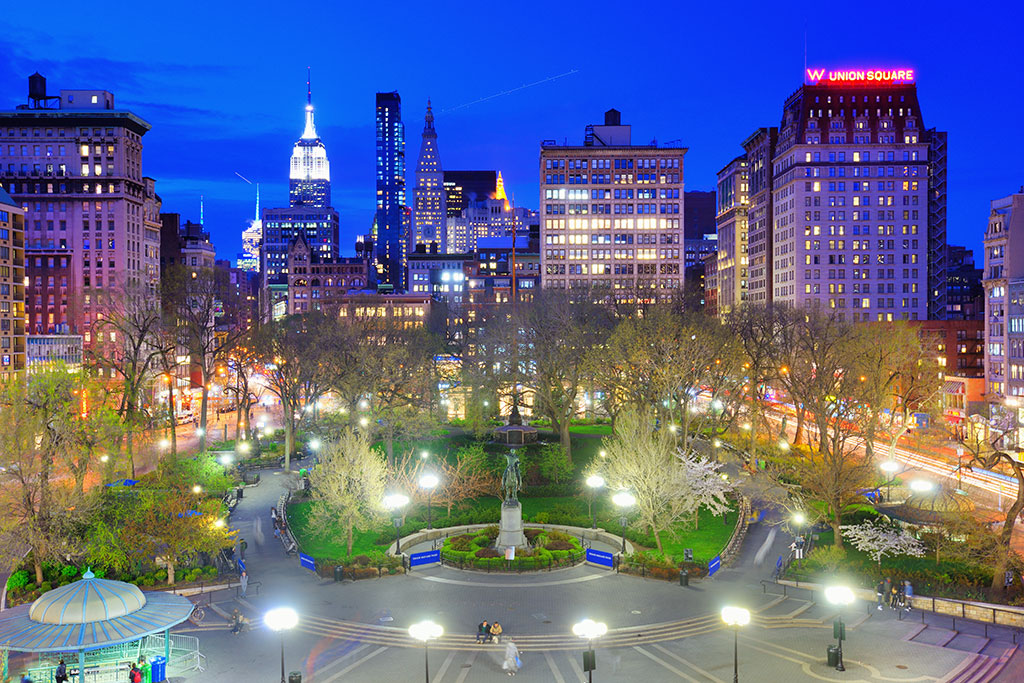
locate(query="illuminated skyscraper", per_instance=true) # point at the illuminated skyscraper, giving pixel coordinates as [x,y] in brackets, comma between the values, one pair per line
[390,229]
[429,210]
[310,172]
[249,258]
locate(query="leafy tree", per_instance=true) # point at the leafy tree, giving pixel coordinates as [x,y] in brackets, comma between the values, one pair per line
[552,464]
[348,486]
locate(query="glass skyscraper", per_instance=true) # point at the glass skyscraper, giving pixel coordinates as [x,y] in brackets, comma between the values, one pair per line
[391,225]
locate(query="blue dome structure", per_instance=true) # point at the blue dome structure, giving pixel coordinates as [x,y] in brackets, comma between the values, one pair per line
[86,601]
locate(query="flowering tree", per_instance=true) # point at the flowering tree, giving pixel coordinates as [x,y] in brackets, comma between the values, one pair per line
[705,485]
[880,539]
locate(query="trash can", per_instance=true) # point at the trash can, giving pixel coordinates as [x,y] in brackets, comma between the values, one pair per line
[339,573]
[239,492]
[833,656]
[295,677]
[158,669]
[684,577]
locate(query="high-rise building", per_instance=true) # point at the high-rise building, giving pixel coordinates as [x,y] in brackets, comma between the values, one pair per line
[612,213]
[12,287]
[74,163]
[310,171]
[463,187]
[319,227]
[249,258]
[760,151]
[730,281]
[965,295]
[484,216]
[316,283]
[846,206]
[1004,299]
[429,212]
[391,223]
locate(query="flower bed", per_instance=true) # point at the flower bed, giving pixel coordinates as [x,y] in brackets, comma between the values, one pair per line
[549,548]
[361,566]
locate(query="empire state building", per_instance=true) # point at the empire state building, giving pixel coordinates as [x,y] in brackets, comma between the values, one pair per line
[310,173]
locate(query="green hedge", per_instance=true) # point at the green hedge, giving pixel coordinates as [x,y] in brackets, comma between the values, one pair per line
[539,557]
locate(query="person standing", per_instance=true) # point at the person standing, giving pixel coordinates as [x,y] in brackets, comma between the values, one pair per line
[908,594]
[243,582]
[512,662]
[134,675]
[61,674]
[880,593]
[894,597]
[483,632]
[146,669]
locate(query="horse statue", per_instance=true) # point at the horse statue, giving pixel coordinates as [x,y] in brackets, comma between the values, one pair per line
[512,479]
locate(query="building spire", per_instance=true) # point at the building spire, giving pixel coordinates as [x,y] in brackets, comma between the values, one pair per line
[310,131]
[428,120]
[200,209]
[257,201]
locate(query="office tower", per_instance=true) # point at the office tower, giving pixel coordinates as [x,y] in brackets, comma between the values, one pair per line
[391,222]
[463,187]
[487,215]
[320,229]
[730,276]
[74,162]
[965,295]
[700,209]
[310,171]
[1004,294]
[852,225]
[249,258]
[612,213]
[760,151]
[185,244]
[429,212]
[12,287]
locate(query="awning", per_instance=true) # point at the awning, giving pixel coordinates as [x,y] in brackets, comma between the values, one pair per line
[954,388]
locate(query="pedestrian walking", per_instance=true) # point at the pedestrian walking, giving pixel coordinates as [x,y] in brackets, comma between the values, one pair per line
[236,621]
[243,582]
[894,597]
[146,669]
[908,594]
[483,632]
[512,662]
[134,675]
[61,674]
[242,545]
[880,593]
[273,515]
[496,632]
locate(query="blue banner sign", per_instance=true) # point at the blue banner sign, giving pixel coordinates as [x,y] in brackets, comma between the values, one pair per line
[602,558]
[429,557]
[241,566]
[714,565]
[307,562]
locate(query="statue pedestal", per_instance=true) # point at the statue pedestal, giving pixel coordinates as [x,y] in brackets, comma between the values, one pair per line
[510,533]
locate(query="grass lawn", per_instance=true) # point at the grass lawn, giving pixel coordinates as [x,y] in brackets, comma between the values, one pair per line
[599,430]
[333,545]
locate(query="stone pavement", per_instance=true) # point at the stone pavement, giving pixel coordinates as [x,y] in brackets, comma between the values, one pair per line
[356,631]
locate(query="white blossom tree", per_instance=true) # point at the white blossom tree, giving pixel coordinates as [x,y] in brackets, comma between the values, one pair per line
[704,484]
[882,539]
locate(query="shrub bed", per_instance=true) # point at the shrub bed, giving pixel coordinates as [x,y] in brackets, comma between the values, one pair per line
[548,548]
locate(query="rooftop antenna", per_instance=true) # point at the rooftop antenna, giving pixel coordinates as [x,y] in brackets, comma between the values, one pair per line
[309,89]
[200,209]
[257,201]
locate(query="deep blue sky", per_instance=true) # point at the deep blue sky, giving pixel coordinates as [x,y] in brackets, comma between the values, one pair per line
[223,84]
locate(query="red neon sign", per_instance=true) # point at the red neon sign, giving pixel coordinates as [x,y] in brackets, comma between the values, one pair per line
[859,76]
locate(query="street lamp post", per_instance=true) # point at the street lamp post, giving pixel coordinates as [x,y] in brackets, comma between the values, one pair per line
[889,467]
[426,631]
[625,500]
[798,522]
[594,481]
[840,596]
[429,481]
[394,503]
[590,630]
[735,617]
[281,619]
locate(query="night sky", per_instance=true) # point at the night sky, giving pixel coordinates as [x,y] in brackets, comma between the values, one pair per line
[223,85]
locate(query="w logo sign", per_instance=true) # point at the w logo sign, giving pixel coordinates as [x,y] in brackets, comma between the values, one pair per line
[814,75]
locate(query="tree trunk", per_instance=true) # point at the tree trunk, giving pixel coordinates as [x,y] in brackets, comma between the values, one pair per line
[565,436]
[657,539]
[38,566]
[348,538]
[202,414]
[837,533]
[170,573]
[696,519]
[130,450]
[173,417]
[799,426]
[238,423]
[1005,537]
[289,418]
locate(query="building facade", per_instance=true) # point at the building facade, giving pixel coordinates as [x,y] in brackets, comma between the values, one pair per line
[48,351]
[463,187]
[965,295]
[612,213]
[184,244]
[699,213]
[392,221]
[731,277]
[252,237]
[429,212]
[760,151]
[12,287]
[320,229]
[1004,299]
[316,283]
[487,217]
[74,162]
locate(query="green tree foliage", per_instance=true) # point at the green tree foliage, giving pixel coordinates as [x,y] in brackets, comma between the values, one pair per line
[552,464]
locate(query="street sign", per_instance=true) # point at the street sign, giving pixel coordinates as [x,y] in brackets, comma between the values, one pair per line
[307,562]
[714,565]
[601,558]
[688,554]
[589,661]
[428,557]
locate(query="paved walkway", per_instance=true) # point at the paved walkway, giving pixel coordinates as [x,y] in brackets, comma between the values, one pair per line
[659,631]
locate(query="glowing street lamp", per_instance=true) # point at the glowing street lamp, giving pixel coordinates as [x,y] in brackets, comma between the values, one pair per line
[197,489]
[921,485]
[625,500]
[594,482]
[798,522]
[314,444]
[735,617]
[428,481]
[281,619]
[426,631]
[590,629]
[889,467]
[394,502]
[841,596]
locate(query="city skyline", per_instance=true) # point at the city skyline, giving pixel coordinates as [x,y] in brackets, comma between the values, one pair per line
[240,115]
